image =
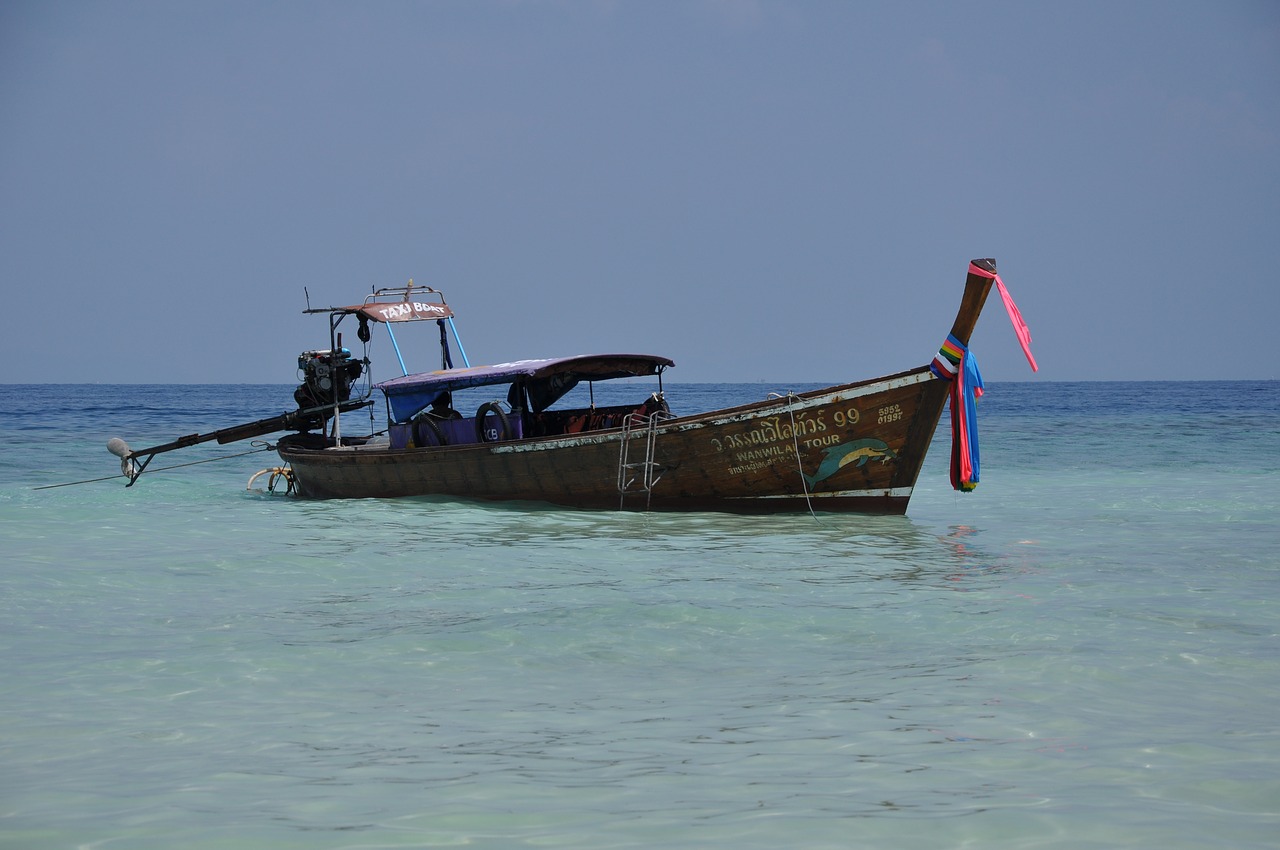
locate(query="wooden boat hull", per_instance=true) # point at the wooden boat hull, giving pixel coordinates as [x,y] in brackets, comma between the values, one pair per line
[853,447]
[856,447]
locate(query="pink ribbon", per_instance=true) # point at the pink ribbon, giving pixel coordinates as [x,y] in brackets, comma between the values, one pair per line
[962,475]
[1015,315]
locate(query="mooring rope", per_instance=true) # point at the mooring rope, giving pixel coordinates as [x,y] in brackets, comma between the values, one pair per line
[795,439]
[265,448]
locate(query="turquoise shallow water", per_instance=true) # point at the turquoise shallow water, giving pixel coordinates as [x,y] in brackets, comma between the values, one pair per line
[1085,652]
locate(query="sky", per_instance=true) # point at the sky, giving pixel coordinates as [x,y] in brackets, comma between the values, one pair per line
[787,192]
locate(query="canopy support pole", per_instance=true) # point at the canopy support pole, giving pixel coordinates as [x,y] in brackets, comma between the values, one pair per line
[458,340]
[396,346]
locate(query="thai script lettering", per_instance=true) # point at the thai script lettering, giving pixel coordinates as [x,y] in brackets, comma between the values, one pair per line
[809,431]
[770,430]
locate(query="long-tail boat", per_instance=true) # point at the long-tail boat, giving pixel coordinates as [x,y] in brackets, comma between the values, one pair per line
[524,436]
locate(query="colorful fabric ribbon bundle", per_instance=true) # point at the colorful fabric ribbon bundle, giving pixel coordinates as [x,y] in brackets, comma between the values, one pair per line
[955,363]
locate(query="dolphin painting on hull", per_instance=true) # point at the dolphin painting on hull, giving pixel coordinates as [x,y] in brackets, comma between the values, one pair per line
[857,452]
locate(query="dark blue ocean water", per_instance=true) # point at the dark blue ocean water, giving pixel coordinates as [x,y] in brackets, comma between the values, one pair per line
[1084,652]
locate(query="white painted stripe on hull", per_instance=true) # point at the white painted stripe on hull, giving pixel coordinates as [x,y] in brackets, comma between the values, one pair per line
[891,492]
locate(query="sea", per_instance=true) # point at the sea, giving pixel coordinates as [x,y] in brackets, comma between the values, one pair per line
[1084,652]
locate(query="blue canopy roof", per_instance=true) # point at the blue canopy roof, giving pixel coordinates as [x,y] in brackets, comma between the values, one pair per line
[545,380]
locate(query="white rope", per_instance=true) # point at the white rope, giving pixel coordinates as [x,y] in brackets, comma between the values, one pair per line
[277,473]
[159,469]
[795,439]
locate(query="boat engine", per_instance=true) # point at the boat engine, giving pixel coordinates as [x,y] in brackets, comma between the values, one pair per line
[327,377]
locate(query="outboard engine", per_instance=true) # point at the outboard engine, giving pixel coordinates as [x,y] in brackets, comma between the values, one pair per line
[327,377]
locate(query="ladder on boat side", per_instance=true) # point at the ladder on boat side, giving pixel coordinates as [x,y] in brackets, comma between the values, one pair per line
[639,476]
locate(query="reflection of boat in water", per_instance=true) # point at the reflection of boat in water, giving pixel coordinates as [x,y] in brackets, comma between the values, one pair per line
[520,437]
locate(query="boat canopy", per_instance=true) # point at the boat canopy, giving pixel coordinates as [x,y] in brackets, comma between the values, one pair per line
[545,381]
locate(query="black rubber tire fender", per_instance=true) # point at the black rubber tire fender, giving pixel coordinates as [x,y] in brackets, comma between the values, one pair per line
[429,420]
[504,424]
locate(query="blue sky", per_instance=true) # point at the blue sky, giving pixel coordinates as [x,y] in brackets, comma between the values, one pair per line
[787,192]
